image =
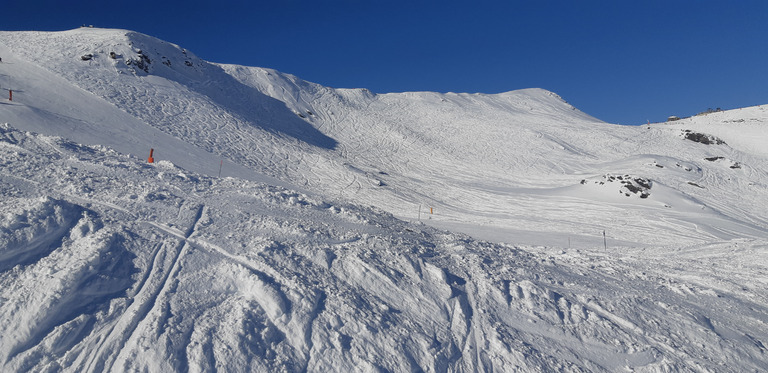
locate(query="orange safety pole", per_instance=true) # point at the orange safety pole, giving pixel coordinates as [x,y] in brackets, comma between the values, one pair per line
[10,95]
[150,159]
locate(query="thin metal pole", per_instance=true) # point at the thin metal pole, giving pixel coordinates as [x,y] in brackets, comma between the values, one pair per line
[419,212]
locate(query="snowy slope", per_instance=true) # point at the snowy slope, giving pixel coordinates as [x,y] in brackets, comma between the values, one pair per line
[403,152]
[170,267]
[507,164]
[109,263]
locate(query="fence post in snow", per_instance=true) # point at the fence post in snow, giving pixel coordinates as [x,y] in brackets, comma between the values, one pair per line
[221,165]
[10,95]
[605,242]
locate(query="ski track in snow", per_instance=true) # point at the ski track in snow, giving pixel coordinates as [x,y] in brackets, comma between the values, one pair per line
[160,278]
[108,263]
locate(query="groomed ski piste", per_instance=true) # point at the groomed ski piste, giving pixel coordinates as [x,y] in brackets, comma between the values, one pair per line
[288,226]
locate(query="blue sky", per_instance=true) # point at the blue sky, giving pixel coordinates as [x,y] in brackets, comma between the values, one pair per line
[621,61]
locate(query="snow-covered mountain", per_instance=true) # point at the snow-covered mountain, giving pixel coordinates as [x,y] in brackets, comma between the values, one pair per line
[247,246]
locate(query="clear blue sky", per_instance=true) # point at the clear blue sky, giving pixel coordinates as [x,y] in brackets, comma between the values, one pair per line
[621,61]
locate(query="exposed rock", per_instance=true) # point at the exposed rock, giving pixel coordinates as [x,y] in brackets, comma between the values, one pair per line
[702,138]
[629,184]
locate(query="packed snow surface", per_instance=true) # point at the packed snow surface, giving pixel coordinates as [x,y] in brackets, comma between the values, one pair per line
[288,226]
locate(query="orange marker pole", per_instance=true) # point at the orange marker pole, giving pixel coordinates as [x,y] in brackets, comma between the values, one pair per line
[10,95]
[150,159]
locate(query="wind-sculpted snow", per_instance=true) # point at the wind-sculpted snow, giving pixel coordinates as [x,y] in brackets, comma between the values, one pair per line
[31,234]
[131,266]
[246,246]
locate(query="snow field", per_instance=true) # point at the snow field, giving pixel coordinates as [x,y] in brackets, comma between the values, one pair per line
[183,272]
[398,151]
[108,263]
